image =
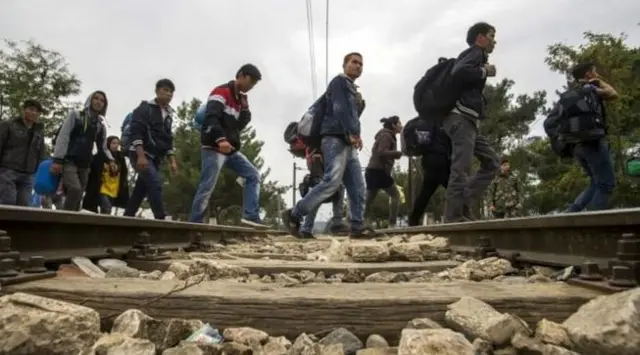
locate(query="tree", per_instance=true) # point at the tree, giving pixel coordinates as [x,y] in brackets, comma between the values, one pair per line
[619,64]
[226,201]
[379,212]
[30,71]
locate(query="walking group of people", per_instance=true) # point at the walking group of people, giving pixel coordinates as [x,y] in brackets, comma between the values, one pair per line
[98,182]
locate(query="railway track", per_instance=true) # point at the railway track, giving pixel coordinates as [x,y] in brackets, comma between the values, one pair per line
[599,244]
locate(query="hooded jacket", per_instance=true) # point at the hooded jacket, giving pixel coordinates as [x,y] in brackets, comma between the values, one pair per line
[81,129]
[92,196]
[384,151]
[21,148]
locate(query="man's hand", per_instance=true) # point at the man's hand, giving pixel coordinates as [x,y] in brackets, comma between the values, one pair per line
[356,142]
[56,168]
[142,164]
[113,167]
[244,101]
[492,208]
[225,147]
[491,69]
[174,165]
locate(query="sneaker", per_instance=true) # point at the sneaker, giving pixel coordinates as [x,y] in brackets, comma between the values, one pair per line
[254,224]
[291,222]
[467,214]
[366,233]
[306,235]
[339,229]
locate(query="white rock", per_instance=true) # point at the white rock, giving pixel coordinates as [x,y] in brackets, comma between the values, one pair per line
[433,341]
[32,324]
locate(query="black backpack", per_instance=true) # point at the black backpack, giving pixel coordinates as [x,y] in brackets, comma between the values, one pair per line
[417,136]
[577,117]
[436,93]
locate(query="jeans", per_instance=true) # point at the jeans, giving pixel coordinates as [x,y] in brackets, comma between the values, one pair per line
[597,164]
[74,181]
[15,187]
[341,166]
[106,203]
[336,219]
[149,185]
[466,143]
[212,162]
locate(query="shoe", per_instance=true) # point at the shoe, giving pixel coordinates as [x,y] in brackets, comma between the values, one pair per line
[467,214]
[366,233]
[339,229]
[291,222]
[306,235]
[254,224]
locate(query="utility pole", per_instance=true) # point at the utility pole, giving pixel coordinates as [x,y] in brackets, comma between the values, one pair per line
[293,187]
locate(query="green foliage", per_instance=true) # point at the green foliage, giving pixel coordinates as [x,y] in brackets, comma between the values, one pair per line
[226,200]
[30,71]
[618,64]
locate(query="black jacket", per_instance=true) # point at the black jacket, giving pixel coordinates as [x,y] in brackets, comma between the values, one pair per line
[470,76]
[150,130]
[224,117]
[91,199]
[21,148]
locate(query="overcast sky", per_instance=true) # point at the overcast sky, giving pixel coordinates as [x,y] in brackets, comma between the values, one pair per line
[124,47]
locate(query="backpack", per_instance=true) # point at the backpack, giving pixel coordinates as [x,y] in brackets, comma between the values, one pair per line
[125,135]
[198,119]
[577,117]
[417,136]
[436,93]
[306,132]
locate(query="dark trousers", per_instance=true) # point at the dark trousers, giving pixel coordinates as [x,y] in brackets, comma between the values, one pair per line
[149,185]
[595,160]
[466,142]
[435,172]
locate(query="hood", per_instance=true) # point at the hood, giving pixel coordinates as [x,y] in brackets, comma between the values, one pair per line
[168,108]
[87,102]
[383,132]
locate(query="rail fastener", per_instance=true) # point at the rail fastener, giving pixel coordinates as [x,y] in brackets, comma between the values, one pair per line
[14,269]
[143,250]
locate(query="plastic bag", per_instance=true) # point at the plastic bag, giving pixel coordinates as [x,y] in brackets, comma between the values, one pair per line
[206,335]
[632,167]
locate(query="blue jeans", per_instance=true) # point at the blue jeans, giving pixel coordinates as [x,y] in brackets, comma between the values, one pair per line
[341,166]
[15,187]
[212,162]
[336,219]
[596,162]
[149,185]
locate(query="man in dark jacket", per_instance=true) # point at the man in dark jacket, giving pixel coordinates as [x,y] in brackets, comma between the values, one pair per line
[74,145]
[226,115]
[435,172]
[341,141]
[461,125]
[151,142]
[21,150]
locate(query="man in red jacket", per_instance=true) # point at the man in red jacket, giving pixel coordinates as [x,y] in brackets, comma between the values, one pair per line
[226,115]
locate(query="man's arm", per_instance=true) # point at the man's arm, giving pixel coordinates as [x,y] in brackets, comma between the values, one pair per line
[344,106]
[64,136]
[214,113]
[469,68]
[140,118]
[606,91]
[244,119]
[101,142]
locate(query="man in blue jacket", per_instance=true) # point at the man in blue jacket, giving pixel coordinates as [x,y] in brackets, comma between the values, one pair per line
[462,124]
[340,144]
[151,142]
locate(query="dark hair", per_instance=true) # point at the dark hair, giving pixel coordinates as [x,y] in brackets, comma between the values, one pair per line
[30,103]
[480,28]
[165,83]
[504,161]
[580,70]
[348,57]
[388,122]
[249,70]
[442,59]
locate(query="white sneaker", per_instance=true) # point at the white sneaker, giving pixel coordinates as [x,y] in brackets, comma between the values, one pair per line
[253,224]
